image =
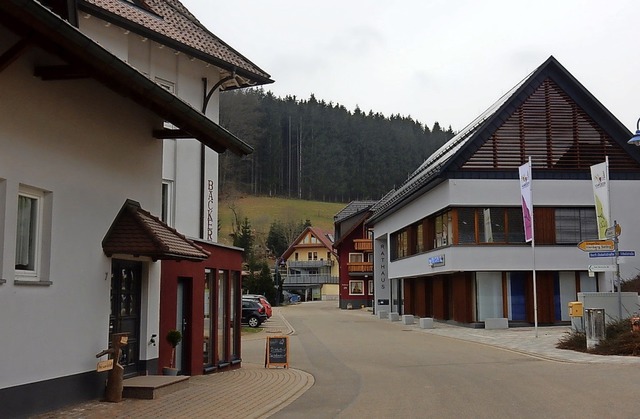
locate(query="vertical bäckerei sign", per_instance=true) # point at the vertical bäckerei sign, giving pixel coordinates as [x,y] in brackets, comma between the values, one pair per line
[527,205]
[600,179]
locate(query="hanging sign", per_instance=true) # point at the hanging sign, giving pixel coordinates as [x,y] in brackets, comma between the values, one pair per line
[105,365]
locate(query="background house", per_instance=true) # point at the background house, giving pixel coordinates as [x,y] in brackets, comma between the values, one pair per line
[449,243]
[312,266]
[354,246]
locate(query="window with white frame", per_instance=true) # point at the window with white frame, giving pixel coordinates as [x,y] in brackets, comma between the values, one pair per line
[356,287]
[167,202]
[33,228]
[171,87]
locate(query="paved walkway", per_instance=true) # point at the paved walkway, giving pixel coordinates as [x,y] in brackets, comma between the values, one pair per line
[256,392]
[519,339]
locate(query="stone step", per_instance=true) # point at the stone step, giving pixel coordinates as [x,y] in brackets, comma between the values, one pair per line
[153,386]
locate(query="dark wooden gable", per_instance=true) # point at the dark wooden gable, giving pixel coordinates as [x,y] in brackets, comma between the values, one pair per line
[549,116]
[555,131]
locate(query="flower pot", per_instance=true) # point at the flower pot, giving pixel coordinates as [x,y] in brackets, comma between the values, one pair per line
[169,371]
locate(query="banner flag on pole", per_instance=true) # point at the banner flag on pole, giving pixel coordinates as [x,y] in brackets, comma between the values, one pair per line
[527,205]
[600,178]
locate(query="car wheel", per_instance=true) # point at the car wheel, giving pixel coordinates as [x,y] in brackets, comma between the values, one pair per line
[254,321]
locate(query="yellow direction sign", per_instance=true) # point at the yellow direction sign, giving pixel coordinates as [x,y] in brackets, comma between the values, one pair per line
[596,245]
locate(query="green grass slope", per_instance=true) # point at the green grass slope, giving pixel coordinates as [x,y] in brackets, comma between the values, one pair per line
[262,211]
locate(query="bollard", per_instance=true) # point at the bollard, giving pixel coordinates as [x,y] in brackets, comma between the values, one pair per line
[594,326]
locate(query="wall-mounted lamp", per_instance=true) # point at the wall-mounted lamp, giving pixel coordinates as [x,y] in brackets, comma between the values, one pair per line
[635,140]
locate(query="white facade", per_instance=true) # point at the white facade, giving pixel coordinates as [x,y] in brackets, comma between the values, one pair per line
[546,193]
[191,185]
[86,150]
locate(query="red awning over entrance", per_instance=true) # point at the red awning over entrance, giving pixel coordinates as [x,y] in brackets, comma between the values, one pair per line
[136,232]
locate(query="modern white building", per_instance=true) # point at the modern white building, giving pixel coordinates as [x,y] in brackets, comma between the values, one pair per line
[449,243]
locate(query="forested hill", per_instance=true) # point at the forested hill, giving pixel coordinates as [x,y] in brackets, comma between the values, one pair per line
[313,150]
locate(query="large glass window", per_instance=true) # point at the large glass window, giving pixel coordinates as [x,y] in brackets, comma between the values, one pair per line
[419,237]
[491,225]
[443,230]
[574,225]
[222,316]
[208,318]
[515,226]
[466,225]
[489,295]
[400,244]
[234,319]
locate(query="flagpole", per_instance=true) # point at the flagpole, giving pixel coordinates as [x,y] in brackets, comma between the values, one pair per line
[615,241]
[533,257]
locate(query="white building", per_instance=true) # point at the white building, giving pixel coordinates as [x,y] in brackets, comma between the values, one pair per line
[81,140]
[449,243]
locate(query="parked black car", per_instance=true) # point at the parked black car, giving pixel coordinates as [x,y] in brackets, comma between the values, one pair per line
[253,313]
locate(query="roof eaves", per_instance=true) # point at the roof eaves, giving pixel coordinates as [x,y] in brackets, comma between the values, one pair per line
[258,77]
[120,76]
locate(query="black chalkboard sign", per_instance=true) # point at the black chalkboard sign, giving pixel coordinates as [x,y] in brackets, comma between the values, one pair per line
[277,351]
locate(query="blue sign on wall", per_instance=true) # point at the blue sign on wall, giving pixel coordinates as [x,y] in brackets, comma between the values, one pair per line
[612,254]
[436,261]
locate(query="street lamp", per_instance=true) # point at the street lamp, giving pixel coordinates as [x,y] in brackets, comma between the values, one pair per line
[635,140]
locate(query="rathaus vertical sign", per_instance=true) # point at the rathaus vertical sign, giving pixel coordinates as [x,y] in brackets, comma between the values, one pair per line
[382,291]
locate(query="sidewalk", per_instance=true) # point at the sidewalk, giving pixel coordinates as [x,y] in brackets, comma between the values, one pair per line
[249,392]
[256,392]
[520,339]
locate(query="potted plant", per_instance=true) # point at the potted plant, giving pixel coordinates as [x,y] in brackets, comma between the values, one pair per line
[173,337]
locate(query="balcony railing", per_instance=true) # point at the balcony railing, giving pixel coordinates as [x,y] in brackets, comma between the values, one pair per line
[360,267]
[309,263]
[310,279]
[365,245]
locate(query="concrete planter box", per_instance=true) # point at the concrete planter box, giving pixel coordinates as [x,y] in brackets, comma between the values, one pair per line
[408,319]
[383,314]
[394,317]
[496,323]
[426,323]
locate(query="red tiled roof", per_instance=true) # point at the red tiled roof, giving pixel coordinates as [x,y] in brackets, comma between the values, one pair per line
[325,239]
[171,20]
[136,232]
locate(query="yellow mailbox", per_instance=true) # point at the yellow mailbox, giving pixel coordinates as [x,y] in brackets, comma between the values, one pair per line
[575,309]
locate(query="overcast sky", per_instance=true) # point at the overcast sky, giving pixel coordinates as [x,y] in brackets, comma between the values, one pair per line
[433,60]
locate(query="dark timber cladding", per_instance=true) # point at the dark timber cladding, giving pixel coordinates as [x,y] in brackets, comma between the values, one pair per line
[551,128]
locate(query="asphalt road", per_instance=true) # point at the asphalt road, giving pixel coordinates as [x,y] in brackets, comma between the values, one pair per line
[367,367]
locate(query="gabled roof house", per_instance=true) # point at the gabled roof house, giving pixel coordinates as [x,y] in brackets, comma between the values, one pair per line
[108,183]
[354,246]
[312,267]
[449,242]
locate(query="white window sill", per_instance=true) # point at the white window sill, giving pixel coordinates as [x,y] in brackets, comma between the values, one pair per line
[32,283]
